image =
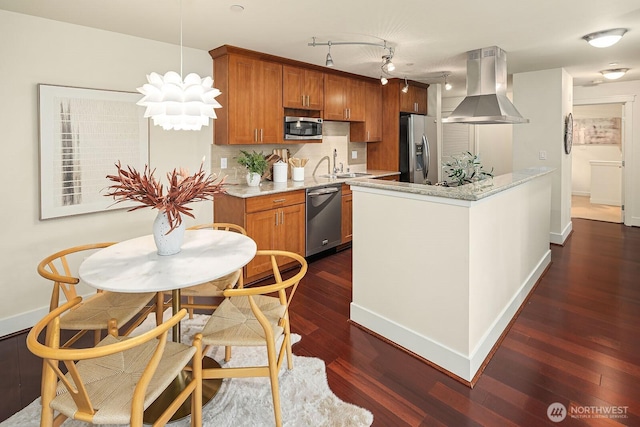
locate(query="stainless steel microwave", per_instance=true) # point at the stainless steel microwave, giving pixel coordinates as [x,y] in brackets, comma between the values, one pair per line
[302,128]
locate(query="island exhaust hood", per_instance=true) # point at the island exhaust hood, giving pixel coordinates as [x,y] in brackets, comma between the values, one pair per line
[486,101]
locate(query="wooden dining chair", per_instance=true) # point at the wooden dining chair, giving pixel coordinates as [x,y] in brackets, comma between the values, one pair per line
[114,382]
[94,313]
[212,290]
[257,316]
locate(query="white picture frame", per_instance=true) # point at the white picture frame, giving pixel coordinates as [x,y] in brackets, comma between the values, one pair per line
[83,133]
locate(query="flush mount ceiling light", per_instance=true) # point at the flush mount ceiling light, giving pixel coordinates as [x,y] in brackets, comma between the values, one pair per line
[447,86]
[614,73]
[605,38]
[405,89]
[178,104]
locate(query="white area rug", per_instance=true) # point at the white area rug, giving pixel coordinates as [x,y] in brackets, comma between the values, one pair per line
[306,399]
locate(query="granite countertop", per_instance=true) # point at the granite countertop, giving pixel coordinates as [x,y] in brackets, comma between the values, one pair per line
[472,192]
[242,190]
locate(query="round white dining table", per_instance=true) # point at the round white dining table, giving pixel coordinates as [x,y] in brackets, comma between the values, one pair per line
[135,266]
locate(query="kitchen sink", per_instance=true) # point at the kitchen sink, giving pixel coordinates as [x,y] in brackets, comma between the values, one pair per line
[352,175]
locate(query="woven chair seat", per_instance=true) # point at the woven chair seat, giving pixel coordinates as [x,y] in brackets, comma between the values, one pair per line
[96,311]
[234,324]
[212,288]
[110,380]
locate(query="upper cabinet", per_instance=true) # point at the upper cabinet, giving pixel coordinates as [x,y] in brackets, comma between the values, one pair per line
[302,88]
[251,99]
[414,101]
[344,98]
[371,129]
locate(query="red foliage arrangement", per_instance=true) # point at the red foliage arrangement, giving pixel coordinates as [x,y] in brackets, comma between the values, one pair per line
[145,189]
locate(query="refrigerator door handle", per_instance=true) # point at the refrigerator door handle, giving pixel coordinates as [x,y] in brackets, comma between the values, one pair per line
[426,156]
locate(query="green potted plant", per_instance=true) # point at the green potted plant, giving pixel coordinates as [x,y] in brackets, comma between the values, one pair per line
[256,164]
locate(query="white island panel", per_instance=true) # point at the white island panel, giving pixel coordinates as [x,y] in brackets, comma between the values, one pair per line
[443,277]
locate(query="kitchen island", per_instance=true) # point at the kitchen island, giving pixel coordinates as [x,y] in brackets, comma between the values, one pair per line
[442,271]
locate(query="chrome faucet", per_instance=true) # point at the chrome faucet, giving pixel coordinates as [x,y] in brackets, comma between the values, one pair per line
[335,154]
[328,165]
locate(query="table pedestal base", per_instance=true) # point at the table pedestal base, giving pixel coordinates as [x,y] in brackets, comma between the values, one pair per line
[209,390]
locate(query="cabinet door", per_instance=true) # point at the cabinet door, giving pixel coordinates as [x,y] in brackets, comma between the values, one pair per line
[269,104]
[347,214]
[355,102]
[421,100]
[334,97]
[292,87]
[261,226]
[371,129]
[314,89]
[244,76]
[292,229]
[414,101]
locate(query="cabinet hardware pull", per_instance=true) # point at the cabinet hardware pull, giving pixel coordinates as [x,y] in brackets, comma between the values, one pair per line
[281,217]
[367,135]
[279,200]
[276,218]
[255,135]
[261,135]
[302,96]
[308,101]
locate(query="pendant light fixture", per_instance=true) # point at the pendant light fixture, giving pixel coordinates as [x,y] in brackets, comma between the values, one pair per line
[329,61]
[605,38]
[178,104]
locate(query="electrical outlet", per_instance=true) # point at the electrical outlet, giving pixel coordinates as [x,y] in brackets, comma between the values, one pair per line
[354,154]
[542,155]
[223,163]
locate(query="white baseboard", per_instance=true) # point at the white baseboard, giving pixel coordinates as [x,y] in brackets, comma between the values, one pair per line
[581,193]
[559,238]
[610,202]
[463,366]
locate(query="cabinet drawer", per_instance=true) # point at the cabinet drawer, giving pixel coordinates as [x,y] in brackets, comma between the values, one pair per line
[261,203]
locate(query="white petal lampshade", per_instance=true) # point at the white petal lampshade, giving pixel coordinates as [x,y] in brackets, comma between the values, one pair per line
[178,105]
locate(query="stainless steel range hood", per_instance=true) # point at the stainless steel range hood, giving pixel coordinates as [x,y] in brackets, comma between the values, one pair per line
[486,101]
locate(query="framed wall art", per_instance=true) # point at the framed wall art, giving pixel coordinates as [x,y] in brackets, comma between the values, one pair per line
[83,133]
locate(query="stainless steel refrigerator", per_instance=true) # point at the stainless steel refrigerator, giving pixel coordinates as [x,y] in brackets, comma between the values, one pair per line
[418,149]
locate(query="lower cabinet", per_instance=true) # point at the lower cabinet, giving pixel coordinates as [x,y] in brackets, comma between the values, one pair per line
[347,214]
[273,221]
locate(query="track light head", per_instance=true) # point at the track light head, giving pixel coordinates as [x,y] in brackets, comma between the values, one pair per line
[329,61]
[383,80]
[387,65]
[405,89]
[447,85]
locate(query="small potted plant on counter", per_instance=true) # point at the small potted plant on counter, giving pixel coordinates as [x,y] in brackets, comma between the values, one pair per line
[256,164]
[465,168]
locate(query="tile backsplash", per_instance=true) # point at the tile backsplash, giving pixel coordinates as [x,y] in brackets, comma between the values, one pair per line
[335,135]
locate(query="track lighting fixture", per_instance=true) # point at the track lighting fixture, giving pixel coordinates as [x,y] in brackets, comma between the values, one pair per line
[447,85]
[329,61]
[605,38]
[383,80]
[405,89]
[387,65]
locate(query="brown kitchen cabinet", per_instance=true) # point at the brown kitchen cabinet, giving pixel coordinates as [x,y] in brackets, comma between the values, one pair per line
[385,155]
[371,129]
[274,221]
[251,99]
[302,88]
[414,101]
[347,214]
[344,98]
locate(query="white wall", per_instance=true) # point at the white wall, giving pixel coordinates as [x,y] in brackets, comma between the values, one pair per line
[613,93]
[35,50]
[545,98]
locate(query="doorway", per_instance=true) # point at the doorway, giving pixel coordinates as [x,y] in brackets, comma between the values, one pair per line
[597,162]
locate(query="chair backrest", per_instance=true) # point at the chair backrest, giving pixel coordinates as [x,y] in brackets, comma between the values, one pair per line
[53,356]
[57,268]
[227,226]
[284,288]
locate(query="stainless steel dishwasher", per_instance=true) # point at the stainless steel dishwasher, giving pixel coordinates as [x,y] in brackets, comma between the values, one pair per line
[323,218]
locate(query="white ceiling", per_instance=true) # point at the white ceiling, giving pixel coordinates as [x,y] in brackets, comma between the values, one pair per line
[429,37]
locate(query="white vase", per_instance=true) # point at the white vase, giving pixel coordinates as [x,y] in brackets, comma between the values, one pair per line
[253,179]
[167,244]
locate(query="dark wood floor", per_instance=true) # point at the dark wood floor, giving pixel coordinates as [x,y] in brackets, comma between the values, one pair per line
[575,342]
